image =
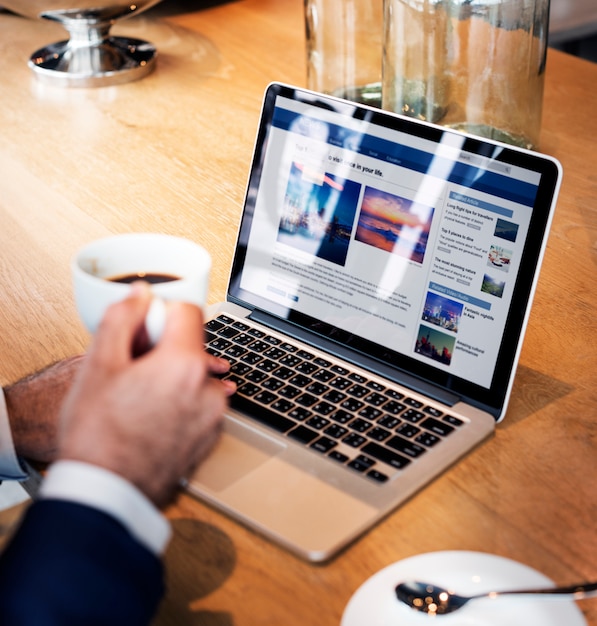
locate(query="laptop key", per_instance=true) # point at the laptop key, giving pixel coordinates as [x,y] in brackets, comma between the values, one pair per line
[228,332]
[306,367]
[378,434]
[274,353]
[360,425]
[323,375]
[352,405]
[267,365]
[283,372]
[248,389]
[317,422]
[389,421]
[300,414]
[370,413]
[394,407]
[251,358]
[336,431]
[259,346]
[380,477]
[437,427]
[273,384]
[234,352]
[427,439]
[299,380]
[324,444]
[375,385]
[412,415]
[338,456]
[353,440]
[405,446]
[306,399]
[376,399]
[412,402]
[334,396]
[455,421]
[256,332]
[265,397]
[341,416]
[255,376]
[317,388]
[324,408]
[222,317]
[241,326]
[262,414]
[340,383]
[385,456]
[358,378]
[282,405]
[220,344]
[408,430]
[243,339]
[358,391]
[289,391]
[240,368]
[214,325]
[303,434]
[290,360]
[361,463]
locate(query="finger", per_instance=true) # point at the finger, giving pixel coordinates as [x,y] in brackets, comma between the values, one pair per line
[115,336]
[218,365]
[183,327]
[230,387]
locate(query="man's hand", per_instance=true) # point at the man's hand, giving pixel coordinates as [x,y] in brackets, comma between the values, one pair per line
[151,419]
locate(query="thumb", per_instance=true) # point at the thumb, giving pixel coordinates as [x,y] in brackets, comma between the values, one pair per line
[117,337]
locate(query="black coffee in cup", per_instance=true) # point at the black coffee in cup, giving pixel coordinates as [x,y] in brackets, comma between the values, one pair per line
[149,277]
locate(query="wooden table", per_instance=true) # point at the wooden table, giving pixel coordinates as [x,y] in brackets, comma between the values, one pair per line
[170,153]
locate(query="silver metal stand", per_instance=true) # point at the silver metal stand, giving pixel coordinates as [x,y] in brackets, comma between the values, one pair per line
[90,57]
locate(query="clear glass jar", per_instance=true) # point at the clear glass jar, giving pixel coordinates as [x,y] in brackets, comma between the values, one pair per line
[344,48]
[472,65]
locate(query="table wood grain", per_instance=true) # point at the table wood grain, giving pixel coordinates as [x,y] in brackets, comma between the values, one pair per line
[171,153]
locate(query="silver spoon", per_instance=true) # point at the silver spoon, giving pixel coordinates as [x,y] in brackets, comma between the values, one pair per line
[437,601]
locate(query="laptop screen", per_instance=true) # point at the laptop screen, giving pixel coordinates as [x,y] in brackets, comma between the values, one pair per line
[409,244]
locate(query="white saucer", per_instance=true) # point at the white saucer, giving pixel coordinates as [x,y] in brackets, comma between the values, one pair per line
[375,603]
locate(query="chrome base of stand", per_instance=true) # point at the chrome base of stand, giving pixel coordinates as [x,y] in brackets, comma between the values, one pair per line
[112,61]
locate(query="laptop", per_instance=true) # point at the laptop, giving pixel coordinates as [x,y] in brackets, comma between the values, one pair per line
[379,292]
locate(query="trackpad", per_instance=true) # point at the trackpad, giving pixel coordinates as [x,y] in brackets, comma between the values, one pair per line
[233,458]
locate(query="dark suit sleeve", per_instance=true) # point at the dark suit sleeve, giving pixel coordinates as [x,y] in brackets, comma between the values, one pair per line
[70,565]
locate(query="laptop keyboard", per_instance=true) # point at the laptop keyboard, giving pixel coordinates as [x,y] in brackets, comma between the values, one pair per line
[336,411]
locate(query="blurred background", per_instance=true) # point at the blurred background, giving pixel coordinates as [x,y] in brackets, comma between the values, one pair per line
[573,23]
[573,27]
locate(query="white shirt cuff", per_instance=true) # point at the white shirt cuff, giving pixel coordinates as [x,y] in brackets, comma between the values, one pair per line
[108,492]
[10,468]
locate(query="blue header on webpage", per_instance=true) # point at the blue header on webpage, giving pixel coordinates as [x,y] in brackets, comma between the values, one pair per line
[422,161]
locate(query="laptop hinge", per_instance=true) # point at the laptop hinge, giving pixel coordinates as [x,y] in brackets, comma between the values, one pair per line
[356,358]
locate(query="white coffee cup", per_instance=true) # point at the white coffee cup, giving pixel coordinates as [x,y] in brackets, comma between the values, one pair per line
[97,267]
